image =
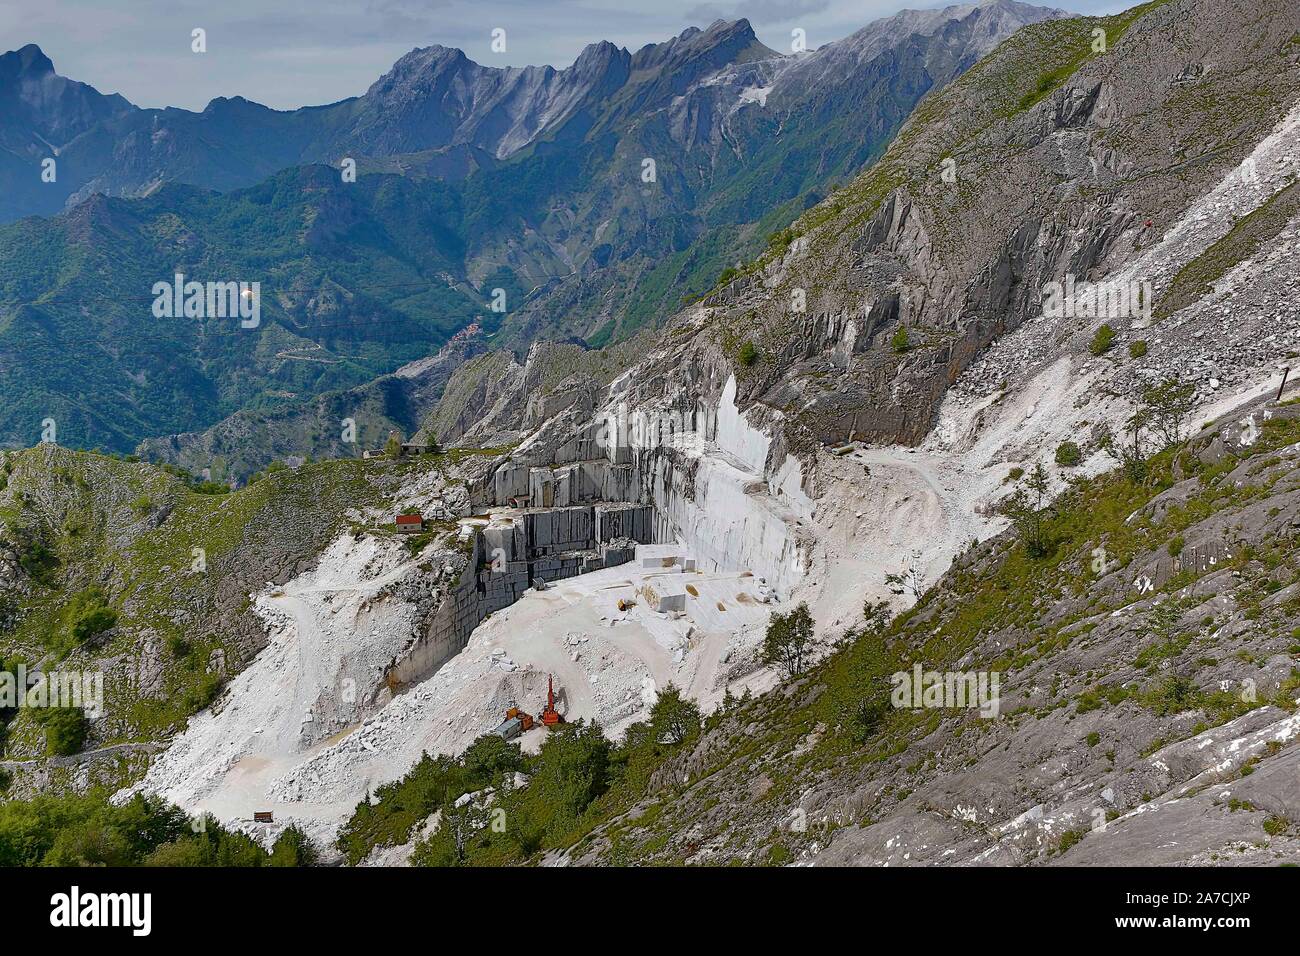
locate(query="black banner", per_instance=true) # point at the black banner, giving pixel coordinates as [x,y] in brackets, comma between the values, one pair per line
[337,905]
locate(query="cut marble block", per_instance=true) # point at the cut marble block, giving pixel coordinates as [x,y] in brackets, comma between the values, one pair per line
[661,595]
[660,555]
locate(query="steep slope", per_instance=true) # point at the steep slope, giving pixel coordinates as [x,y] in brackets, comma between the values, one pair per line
[1146,705]
[164,586]
[1061,168]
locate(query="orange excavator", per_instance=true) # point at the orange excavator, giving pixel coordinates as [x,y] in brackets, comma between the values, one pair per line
[551,716]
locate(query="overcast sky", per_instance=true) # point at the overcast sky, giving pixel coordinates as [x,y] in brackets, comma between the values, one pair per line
[290,53]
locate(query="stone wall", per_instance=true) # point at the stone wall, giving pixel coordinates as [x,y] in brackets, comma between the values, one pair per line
[703,469]
[509,557]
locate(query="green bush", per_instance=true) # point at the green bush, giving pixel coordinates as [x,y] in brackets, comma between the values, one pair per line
[1275,826]
[66,729]
[202,693]
[85,830]
[727,274]
[901,342]
[92,622]
[431,784]
[674,719]
[788,642]
[85,616]
[34,556]
[1102,340]
[1069,839]
[1137,349]
[208,844]
[748,354]
[1068,454]
[293,848]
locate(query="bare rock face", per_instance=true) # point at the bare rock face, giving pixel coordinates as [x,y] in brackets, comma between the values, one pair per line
[893,287]
[150,666]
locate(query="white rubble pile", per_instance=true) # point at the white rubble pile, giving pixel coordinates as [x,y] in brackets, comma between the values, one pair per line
[332,632]
[263,747]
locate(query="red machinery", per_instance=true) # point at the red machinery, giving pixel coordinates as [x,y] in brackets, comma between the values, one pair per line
[525,720]
[551,716]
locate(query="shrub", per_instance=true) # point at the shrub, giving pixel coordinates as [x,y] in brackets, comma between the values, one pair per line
[88,615]
[1069,838]
[204,692]
[779,855]
[66,729]
[432,783]
[1029,508]
[1174,696]
[293,848]
[1137,349]
[674,718]
[901,342]
[1068,454]
[94,621]
[1102,340]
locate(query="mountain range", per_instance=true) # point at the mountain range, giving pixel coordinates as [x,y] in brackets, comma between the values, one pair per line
[525,188]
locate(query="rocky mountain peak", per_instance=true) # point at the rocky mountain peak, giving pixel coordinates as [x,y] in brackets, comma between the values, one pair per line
[721,42]
[422,62]
[35,99]
[26,61]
